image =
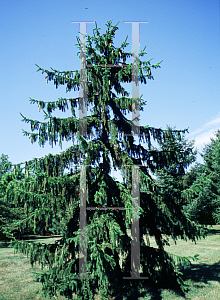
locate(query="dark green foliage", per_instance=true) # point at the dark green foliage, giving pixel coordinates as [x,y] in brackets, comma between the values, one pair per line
[171,179]
[11,217]
[51,195]
[203,205]
[5,165]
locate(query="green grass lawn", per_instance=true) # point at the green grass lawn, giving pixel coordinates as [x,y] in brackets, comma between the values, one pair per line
[17,280]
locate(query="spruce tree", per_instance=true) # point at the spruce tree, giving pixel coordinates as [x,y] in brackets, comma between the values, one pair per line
[5,165]
[173,179]
[12,217]
[203,194]
[51,191]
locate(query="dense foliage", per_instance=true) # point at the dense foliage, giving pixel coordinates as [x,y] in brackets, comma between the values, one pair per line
[203,193]
[52,192]
[11,216]
[5,165]
[171,180]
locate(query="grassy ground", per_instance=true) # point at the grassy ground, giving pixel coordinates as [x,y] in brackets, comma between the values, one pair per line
[17,279]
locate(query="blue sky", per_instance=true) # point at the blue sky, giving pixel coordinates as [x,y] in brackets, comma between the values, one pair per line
[185,34]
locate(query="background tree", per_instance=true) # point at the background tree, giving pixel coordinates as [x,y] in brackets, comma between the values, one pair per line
[51,191]
[204,193]
[172,179]
[10,215]
[5,165]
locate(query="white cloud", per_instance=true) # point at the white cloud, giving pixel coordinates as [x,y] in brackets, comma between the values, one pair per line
[211,124]
[204,134]
[204,138]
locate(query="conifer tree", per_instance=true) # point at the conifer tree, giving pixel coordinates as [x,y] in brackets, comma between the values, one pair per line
[5,165]
[203,194]
[51,191]
[11,217]
[172,180]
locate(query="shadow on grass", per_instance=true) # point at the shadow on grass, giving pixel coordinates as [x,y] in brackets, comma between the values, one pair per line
[203,272]
[29,239]
[214,231]
[5,244]
[154,293]
[143,290]
[197,273]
